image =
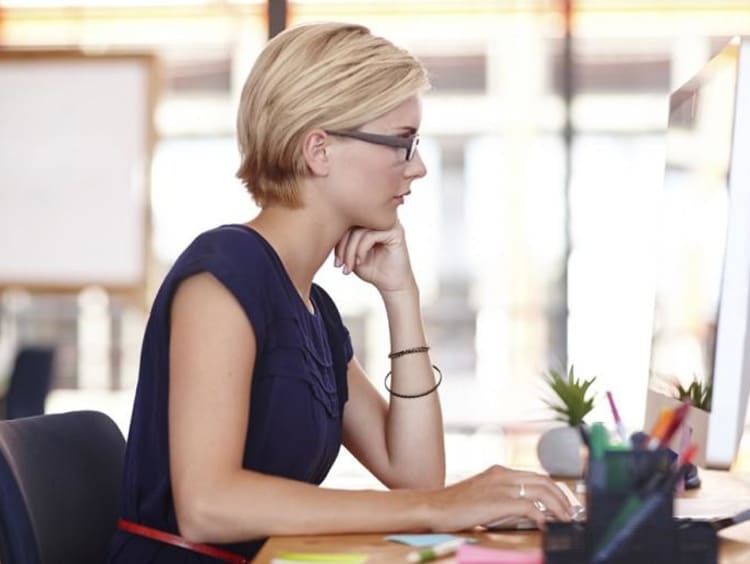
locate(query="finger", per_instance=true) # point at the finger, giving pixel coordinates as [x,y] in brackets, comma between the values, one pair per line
[541,497]
[526,508]
[539,480]
[559,496]
[349,254]
[545,501]
[339,249]
[368,241]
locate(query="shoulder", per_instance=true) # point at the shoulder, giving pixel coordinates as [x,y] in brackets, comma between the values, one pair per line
[240,265]
[228,241]
[234,252]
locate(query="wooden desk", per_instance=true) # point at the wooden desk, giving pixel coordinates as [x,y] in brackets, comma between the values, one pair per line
[734,542]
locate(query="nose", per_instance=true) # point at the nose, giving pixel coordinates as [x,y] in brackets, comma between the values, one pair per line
[415,167]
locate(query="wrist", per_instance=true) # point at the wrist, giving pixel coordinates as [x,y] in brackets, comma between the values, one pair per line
[409,294]
[426,510]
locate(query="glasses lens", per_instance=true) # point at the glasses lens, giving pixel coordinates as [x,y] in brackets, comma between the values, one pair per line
[412,148]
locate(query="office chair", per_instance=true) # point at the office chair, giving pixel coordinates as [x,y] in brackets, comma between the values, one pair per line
[29,382]
[59,487]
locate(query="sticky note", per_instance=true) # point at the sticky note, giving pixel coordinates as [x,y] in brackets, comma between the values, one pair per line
[468,554]
[422,540]
[318,558]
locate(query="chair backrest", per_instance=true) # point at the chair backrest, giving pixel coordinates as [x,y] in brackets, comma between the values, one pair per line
[29,382]
[60,487]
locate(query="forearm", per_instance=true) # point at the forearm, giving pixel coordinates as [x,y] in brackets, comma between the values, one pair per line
[250,505]
[414,426]
[243,505]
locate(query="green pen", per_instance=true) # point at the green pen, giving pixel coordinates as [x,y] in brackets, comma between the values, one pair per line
[437,551]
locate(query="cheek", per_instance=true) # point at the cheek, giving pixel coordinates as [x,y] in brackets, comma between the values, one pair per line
[366,201]
[365,186]
[376,180]
[389,173]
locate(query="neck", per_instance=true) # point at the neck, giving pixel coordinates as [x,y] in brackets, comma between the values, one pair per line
[302,240]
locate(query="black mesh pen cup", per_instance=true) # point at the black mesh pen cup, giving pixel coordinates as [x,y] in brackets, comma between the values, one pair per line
[629,505]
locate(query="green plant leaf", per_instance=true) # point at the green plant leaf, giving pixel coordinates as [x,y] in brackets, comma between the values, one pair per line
[698,392]
[570,402]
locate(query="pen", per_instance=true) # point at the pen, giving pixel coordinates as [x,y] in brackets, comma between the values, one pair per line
[685,438]
[724,522]
[442,549]
[618,422]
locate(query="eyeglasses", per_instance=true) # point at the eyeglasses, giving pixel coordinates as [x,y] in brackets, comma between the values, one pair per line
[409,143]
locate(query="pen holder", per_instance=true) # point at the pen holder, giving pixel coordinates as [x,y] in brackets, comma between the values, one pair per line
[619,484]
[613,483]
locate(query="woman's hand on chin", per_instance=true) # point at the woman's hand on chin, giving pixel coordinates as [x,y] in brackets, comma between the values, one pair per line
[378,257]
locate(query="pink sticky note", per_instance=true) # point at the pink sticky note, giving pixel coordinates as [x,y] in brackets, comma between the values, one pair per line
[468,554]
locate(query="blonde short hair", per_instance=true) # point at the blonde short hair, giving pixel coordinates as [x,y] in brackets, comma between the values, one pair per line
[330,75]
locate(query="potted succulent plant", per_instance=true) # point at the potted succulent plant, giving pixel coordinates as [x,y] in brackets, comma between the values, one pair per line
[559,448]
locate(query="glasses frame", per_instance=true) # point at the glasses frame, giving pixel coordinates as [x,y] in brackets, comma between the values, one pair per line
[409,143]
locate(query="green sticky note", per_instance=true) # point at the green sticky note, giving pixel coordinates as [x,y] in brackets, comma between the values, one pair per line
[318,557]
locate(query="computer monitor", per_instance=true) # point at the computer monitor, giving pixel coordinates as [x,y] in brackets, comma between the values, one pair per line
[702,305]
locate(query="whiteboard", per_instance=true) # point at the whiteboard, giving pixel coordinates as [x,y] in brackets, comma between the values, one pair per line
[75,150]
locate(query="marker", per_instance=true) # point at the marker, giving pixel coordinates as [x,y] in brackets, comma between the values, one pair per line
[599,441]
[618,422]
[659,428]
[678,417]
[432,553]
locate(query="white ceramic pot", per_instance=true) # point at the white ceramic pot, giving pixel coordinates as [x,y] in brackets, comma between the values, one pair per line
[560,452]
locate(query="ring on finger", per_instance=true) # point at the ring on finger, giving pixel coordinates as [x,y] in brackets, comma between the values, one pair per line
[540,506]
[522,491]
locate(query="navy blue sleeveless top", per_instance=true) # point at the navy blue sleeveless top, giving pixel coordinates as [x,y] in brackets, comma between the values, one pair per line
[298,387]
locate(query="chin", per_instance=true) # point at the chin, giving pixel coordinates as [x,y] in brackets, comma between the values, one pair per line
[380,222]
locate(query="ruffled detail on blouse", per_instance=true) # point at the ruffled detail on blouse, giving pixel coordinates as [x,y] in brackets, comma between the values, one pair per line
[293,339]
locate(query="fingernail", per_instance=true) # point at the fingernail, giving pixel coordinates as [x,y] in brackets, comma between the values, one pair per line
[337,261]
[346,270]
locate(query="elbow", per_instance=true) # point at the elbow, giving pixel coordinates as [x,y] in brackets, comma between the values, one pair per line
[431,478]
[196,521]
[435,481]
[420,473]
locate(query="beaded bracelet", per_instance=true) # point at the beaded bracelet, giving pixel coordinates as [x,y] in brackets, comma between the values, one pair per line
[411,396]
[408,351]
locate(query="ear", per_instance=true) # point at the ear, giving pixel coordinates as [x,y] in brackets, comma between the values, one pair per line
[315,152]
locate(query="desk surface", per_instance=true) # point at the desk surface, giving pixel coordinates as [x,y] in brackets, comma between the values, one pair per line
[734,541]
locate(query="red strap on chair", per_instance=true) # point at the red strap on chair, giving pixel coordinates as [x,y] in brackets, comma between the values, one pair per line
[175,540]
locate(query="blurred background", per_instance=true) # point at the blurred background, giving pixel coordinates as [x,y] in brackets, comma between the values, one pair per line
[531,235]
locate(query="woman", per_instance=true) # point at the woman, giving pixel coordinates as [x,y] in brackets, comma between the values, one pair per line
[248,384]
